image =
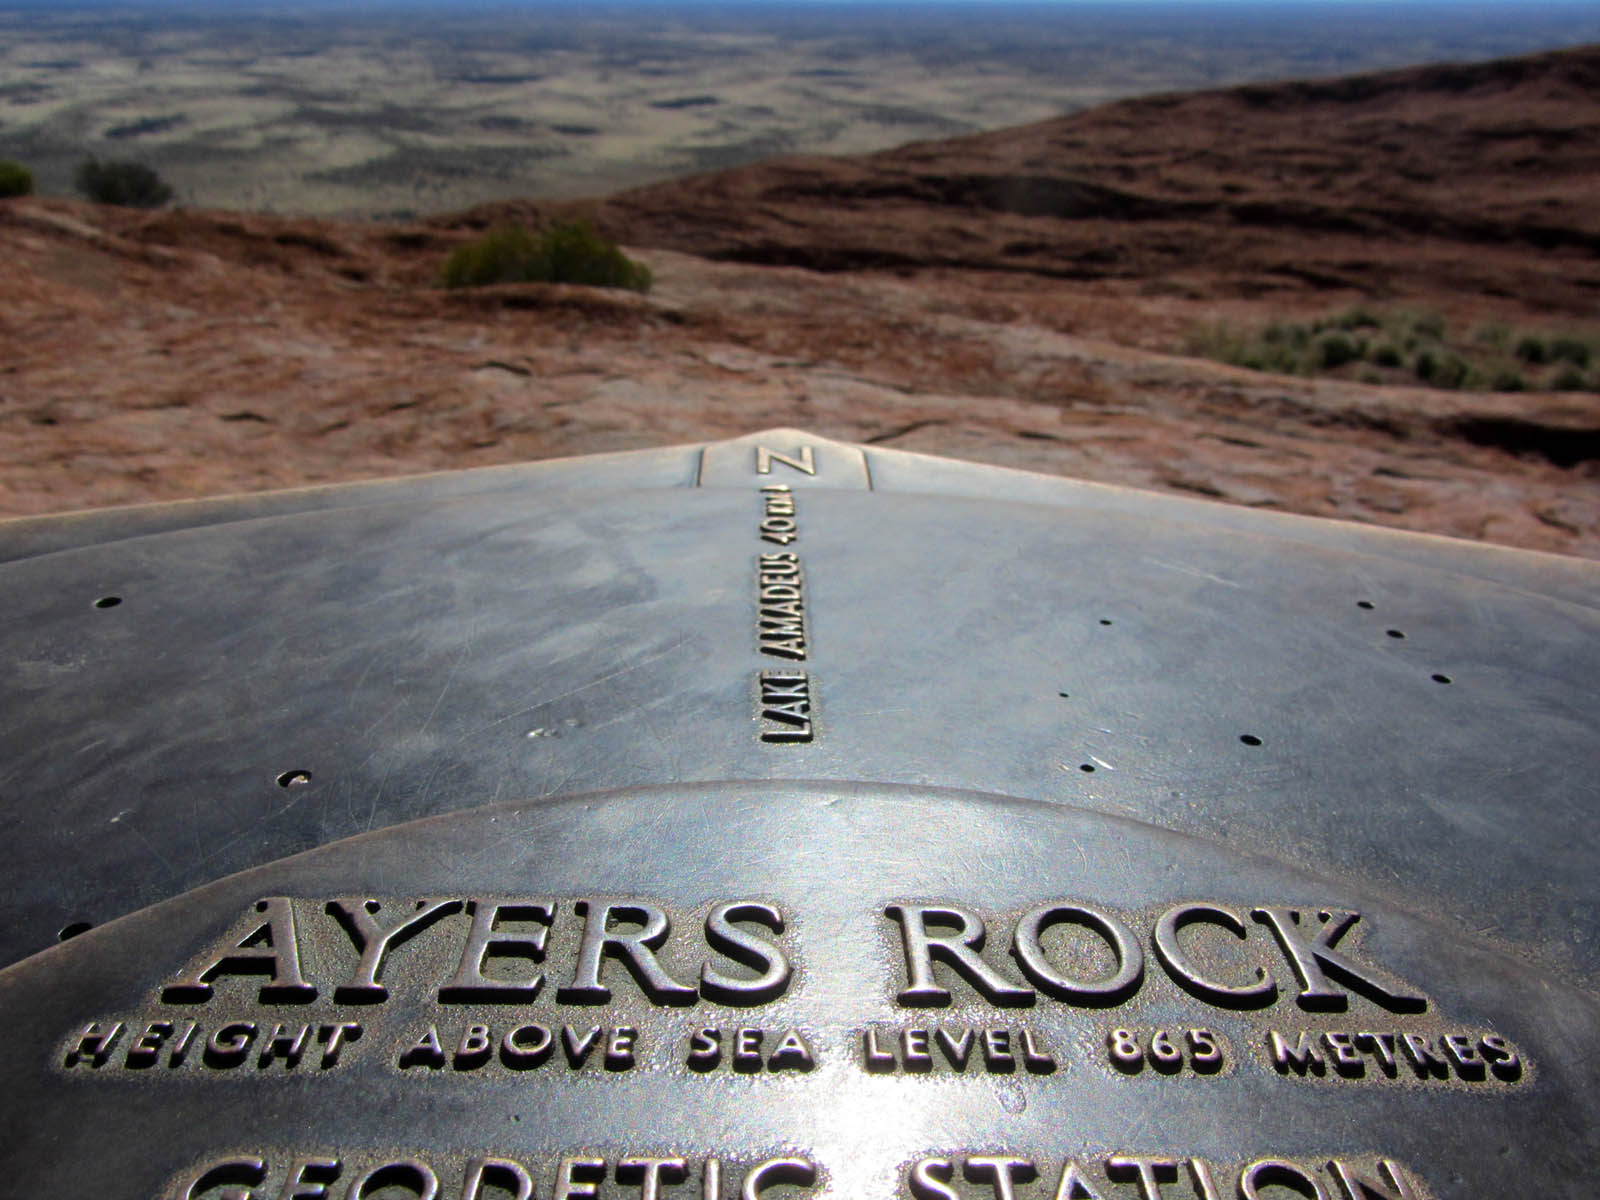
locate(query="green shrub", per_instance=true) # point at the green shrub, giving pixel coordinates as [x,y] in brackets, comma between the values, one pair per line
[15,179]
[1371,376]
[1281,333]
[1359,317]
[1442,370]
[1569,349]
[1508,380]
[1280,347]
[1568,379]
[568,253]
[1532,349]
[1208,339]
[1427,323]
[1451,372]
[1386,354]
[128,184]
[1335,350]
[1494,334]
[1281,359]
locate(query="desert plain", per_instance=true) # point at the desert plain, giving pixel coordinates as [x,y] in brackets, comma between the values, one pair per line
[401,109]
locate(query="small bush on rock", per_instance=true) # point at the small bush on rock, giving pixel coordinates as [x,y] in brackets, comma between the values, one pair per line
[1336,349]
[1281,333]
[1568,348]
[1359,317]
[1568,379]
[128,184]
[15,179]
[1425,321]
[1496,335]
[568,253]
[1532,349]
[1453,372]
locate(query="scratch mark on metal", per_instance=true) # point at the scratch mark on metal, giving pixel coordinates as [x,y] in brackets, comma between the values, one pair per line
[1185,569]
[624,669]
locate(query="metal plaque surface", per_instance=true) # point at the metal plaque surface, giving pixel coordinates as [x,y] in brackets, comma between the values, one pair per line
[782,818]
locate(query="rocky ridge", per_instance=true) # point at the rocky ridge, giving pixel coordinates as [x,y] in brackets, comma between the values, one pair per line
[1014,297]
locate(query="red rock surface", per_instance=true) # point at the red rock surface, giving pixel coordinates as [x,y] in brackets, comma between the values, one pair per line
[1014,297]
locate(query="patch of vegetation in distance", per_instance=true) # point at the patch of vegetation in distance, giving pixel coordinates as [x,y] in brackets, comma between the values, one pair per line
[1570,379]
[1567,348]
[564,253]
[1335,349]
[1442,369]
[1407,345]
[128,184]
[15,179]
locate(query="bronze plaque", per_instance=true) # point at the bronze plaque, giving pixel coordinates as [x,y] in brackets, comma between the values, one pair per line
[785,819]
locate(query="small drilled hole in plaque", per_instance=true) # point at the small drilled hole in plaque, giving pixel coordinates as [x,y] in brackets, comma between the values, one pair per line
[1365,604]
[295,778]
[1249,739]
[1087,767]
[1394,633]
[108,601]
[1442,679]
[1065,695]
[73,930]
[1105,620]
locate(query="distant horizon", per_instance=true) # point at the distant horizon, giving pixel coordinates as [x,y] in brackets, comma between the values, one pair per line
[1339,10]
[1509,17]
